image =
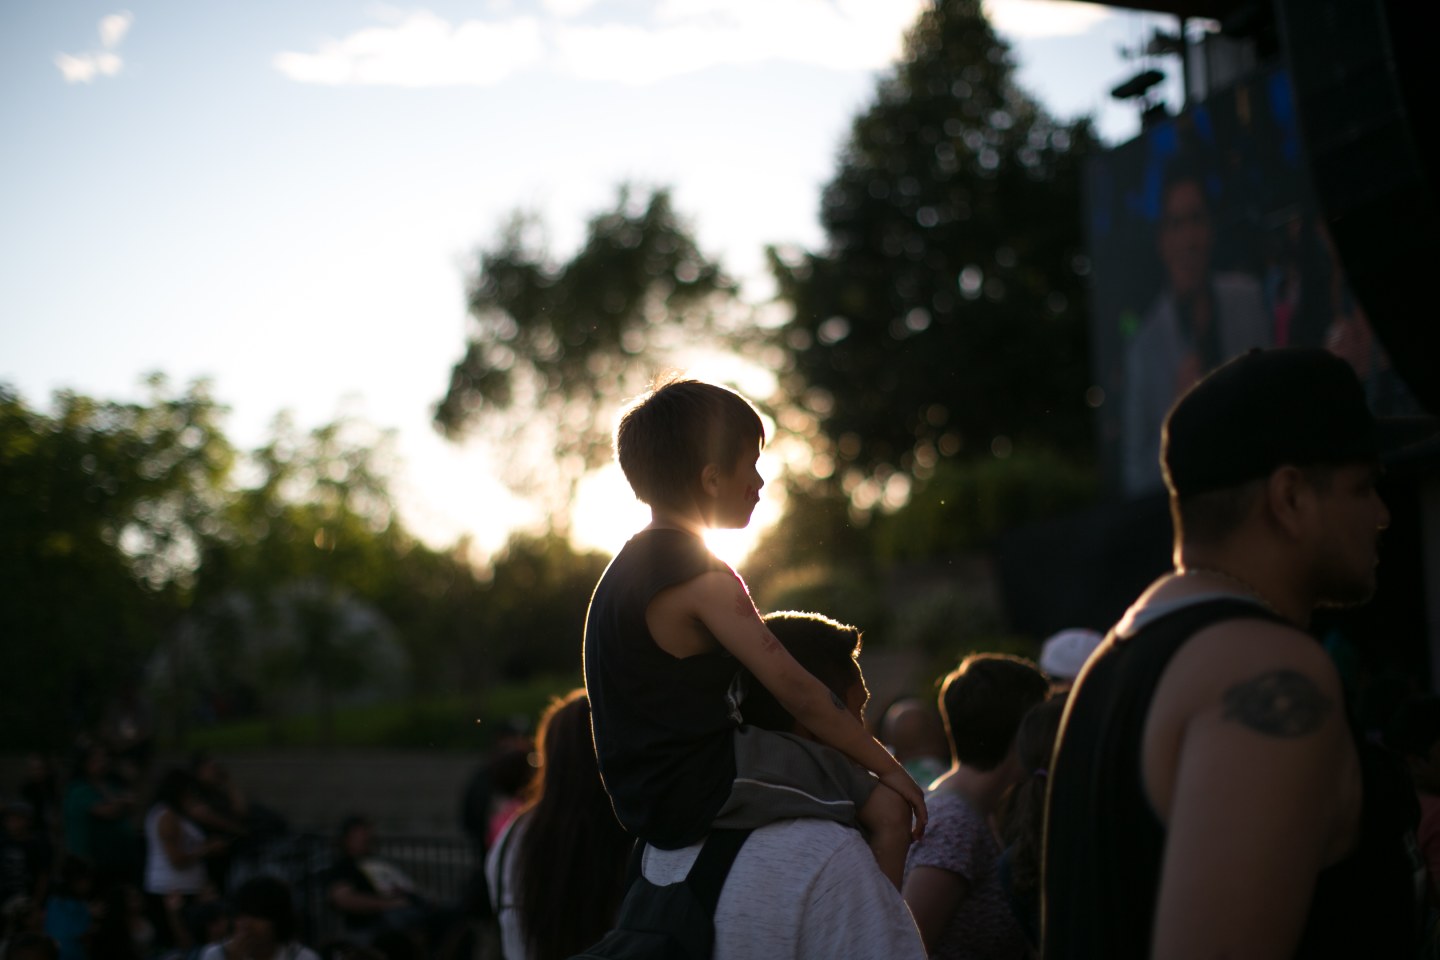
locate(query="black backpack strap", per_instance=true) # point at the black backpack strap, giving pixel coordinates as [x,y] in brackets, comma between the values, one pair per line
[707,874]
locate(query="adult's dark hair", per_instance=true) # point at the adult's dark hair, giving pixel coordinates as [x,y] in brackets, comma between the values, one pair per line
[267,898]
[1024,820]
[825,647]
[667,438]
[570,861]
[174,784]
[982,701]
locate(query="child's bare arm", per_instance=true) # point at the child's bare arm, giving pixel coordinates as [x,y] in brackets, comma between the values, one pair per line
[721,602]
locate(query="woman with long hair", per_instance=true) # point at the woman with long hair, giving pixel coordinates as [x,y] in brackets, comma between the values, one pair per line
[564,854]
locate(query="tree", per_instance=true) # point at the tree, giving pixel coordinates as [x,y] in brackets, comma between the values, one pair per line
[101,508]
[946,316]
[555,346]
[293,564]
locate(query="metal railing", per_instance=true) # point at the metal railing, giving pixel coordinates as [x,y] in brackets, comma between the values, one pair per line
[443,870]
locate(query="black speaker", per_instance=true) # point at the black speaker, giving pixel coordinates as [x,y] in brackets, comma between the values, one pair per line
[1361,72]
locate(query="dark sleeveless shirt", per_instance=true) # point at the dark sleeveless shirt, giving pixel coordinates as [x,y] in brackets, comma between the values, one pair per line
[664,729]
[1104,844]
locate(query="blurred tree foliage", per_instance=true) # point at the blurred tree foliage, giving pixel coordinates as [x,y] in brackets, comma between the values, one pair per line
[946,316]
[554,346]
[140,549]
[103,507]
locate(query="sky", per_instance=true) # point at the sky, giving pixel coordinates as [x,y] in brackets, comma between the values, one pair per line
[284,197]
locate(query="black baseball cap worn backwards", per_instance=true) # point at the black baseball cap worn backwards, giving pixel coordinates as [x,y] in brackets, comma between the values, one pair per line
[1264,409]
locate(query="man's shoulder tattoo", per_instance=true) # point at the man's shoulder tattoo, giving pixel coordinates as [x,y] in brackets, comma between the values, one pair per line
[1279,703]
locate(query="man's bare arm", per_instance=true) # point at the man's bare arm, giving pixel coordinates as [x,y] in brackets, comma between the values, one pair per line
[1255,809]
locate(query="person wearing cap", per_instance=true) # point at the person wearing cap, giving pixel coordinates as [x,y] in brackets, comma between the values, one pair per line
[1208,797]
[1063,655]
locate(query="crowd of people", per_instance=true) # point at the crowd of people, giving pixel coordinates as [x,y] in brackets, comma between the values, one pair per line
[89,872]
[1190,784]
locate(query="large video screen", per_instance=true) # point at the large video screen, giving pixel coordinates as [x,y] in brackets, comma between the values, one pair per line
[1205,241]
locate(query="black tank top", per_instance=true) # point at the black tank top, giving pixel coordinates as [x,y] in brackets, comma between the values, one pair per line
[1104,844]
[664,727]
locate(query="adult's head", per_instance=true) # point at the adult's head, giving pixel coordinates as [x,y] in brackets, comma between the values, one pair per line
[1280,444]
[175,790]
[89,760]
[264,913]
[565,753]
[570,861]
[1186,235]
[982,702]
[667,439]
[356,835]
[912,729]
[1064,654]
[827,649]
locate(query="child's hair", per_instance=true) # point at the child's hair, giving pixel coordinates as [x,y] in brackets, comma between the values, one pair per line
[667,437]
[982,701]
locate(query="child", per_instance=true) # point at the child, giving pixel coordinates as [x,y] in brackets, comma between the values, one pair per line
[668,629]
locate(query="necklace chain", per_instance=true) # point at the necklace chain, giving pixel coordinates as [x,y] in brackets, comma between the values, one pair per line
[1228,577]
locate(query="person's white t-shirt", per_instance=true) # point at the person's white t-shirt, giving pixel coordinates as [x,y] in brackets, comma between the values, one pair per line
[500,878]
[801,890]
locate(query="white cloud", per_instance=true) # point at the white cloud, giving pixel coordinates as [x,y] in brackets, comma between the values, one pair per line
[114,27]
[695,34]
[1044,18]
[423,50]
[682,36]
[85,67]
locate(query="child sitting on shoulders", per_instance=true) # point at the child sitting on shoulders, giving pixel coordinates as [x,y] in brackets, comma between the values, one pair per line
[668,629]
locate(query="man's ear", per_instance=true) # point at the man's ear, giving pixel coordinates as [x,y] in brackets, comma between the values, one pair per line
[1290,500]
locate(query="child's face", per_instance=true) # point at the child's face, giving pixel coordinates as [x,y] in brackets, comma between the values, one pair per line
[737,491]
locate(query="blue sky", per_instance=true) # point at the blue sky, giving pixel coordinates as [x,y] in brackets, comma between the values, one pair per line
[282,196]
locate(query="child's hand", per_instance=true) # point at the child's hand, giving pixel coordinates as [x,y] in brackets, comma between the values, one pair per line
[902,783]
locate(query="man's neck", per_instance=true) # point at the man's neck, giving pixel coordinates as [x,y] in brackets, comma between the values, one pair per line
[1248,572]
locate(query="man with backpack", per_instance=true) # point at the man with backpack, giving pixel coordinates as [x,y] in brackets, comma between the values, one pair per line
[802,889]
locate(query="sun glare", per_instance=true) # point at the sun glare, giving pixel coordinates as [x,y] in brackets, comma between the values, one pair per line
[606,514]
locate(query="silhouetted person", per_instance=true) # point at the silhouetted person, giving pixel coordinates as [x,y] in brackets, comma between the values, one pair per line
[952,879]
[1209,797]
[1200,319]
[564,854]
